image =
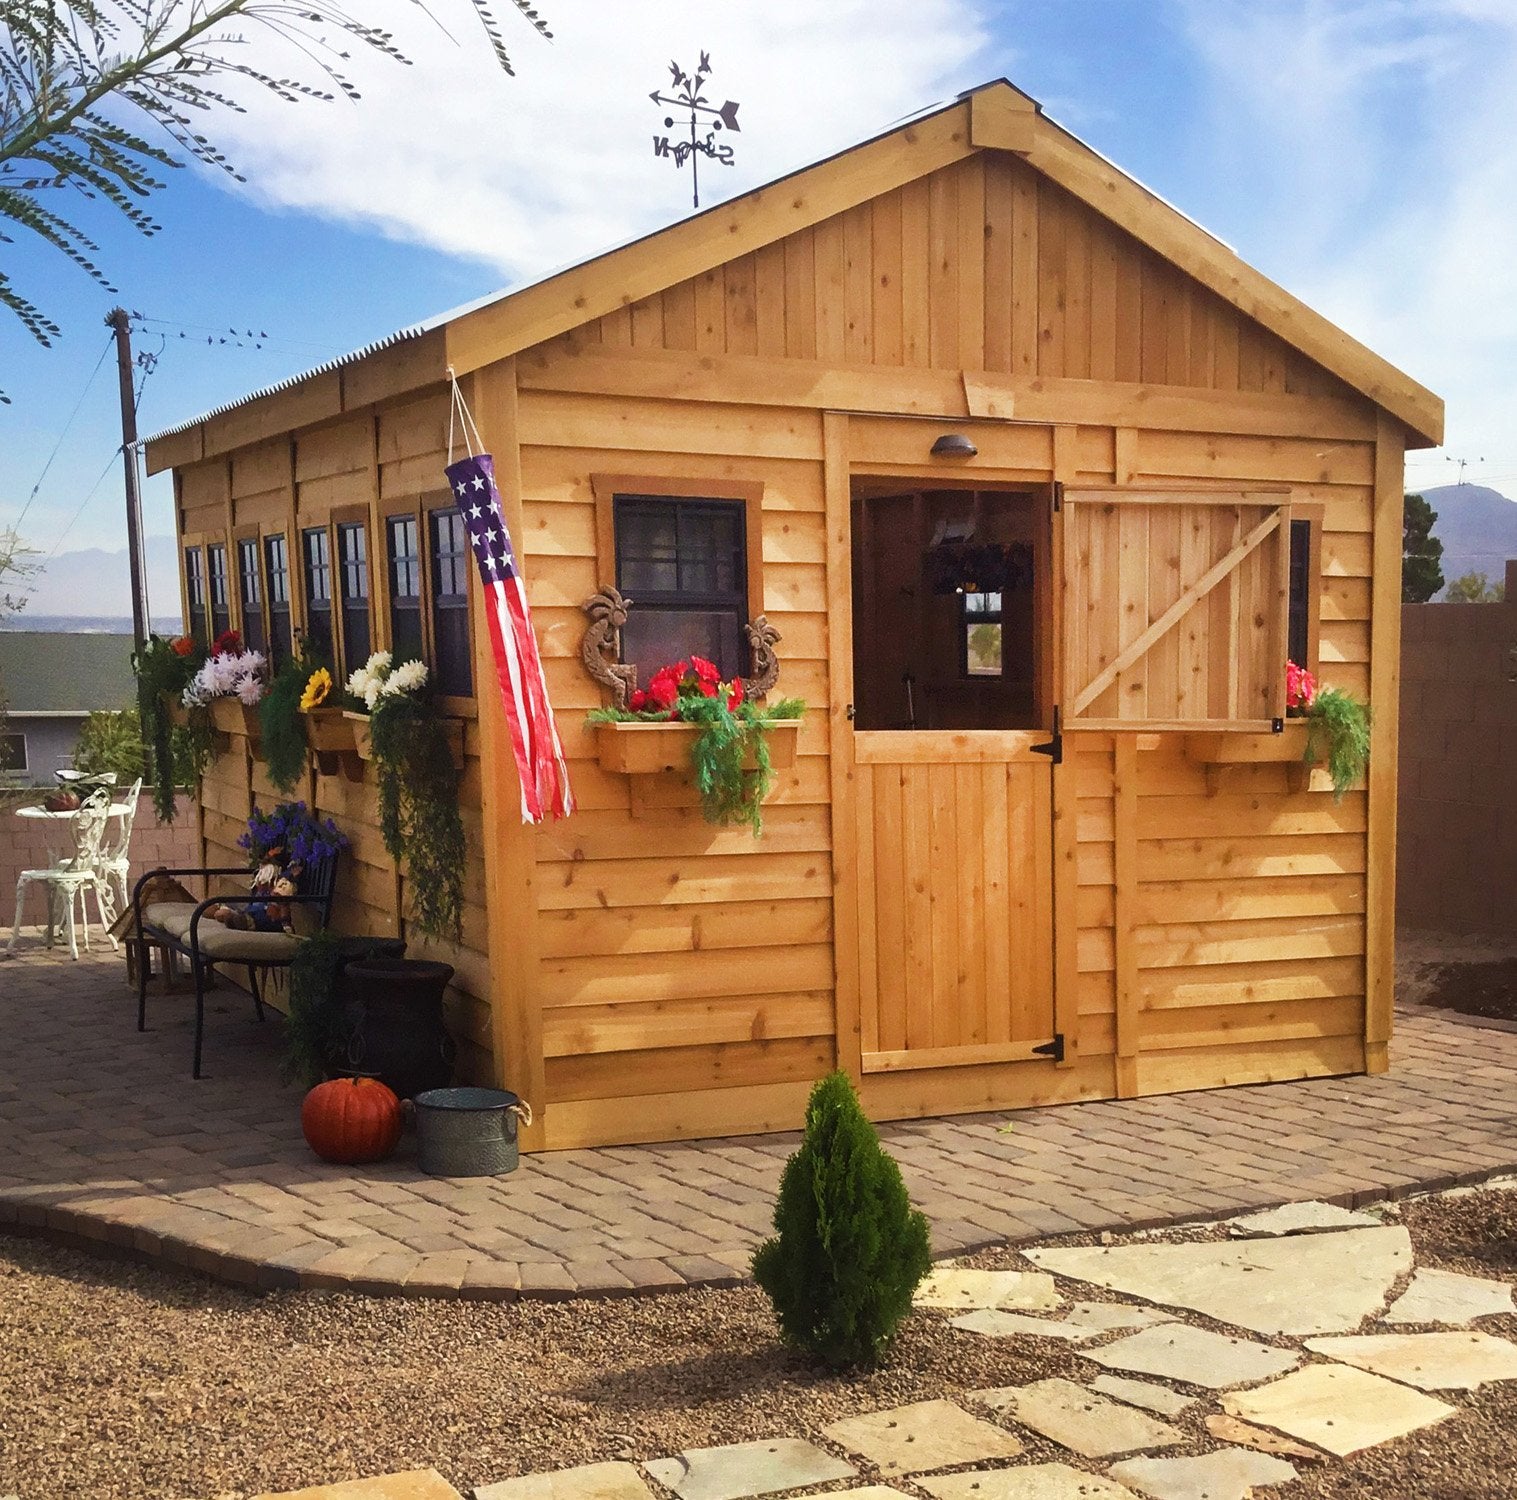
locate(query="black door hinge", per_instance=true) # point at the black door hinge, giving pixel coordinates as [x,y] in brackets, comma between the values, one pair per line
[1054,748]
[1053,1049]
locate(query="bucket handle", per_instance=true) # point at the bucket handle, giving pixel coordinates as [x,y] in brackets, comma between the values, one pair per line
[522,1110]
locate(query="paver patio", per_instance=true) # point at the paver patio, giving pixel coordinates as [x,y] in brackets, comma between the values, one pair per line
[110,1141]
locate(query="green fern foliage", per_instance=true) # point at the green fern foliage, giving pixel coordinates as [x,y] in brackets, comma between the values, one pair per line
[282,726]
[849,1250]
[1338,733]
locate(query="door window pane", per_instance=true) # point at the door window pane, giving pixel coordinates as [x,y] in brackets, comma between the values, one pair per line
[276,561]
[318,575]
[221,599]
[405,587]
[194,588]
[250,587]
[451,560]
[353,556]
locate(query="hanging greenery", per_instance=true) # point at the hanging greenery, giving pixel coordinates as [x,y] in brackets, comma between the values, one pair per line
[180,752]
[281,727]
[729,758]
[1337,727]
[418,790]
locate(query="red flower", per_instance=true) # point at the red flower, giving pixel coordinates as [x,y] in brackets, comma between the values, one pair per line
[707,671]
[228,643]
[182,645]
[638,701]
[1300,686]
[734,693]
[663,689]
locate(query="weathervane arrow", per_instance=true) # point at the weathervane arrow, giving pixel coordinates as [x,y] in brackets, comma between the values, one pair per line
[701,116]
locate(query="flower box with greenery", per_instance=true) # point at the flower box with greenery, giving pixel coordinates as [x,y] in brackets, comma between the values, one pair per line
[1337,727]
[179,741]
[228,685]
[411,748]
[688,718]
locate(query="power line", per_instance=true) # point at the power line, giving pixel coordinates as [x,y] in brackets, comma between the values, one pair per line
[109,465]
[239,338]
[16,524]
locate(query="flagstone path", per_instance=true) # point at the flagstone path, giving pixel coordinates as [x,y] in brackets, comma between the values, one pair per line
[1247,1417]
[108,1141]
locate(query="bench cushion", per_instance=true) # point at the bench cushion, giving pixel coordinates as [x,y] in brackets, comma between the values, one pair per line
[218,941]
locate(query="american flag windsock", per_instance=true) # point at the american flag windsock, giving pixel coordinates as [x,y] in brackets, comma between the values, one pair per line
[534,736]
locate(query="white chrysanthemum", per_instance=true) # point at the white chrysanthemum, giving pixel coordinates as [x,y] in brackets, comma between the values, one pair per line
[379,662]
[358,682]
[406,678]
[250,689]
[371,691]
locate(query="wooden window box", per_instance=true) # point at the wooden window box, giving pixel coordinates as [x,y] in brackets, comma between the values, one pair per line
[1218,751]
[638,749]
[363,745]
[231,716]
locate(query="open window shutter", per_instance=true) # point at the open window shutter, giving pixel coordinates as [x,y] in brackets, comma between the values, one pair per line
[1175,609]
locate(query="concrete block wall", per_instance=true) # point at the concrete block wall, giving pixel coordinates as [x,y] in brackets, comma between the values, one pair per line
[24,846]
[1456,844]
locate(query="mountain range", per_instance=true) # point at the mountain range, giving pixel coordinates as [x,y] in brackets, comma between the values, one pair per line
[92,590]
[1478,529]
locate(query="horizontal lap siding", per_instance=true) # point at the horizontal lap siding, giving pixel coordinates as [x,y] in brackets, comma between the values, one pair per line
[677,959]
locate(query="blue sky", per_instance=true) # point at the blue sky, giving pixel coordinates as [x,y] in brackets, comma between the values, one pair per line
[1361,152]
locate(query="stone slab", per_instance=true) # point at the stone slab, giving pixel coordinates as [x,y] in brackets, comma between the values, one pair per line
[1026,1482]
[1176,1351]
[608,1481]
[996,1324]
[1462,1361]
[1300,1218]
[926,1435]
[1227,1474]
[1337,1408]
[1296,1284]
[413,1484]
[1097,1318]
[1079,1419]
[1233,1430]
[1157,1398]
[961,1290]
[737,1471]
[1448,1297]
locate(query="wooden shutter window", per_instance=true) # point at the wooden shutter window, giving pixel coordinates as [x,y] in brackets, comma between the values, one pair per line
[1175,609]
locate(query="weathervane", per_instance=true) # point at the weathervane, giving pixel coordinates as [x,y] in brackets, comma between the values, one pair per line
[705,116]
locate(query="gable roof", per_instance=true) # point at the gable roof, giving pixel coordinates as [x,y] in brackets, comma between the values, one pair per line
[995,116]
[58,672]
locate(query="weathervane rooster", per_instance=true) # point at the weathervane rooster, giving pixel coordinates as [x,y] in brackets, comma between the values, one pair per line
[705,116]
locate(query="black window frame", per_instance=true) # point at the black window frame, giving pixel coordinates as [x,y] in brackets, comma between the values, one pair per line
[969,618]
[196,600]
[734,601]
[218,582]
[281,626]
[320,609]
[351,567]
[254,631]
[450,560]
[8,737]
[406,567]
[1302,596]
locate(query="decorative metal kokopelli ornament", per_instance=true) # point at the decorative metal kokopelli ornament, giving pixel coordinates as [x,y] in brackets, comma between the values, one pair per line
[762,639]
[601,649]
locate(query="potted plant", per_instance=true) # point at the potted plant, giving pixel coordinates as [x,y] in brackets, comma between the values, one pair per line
[412,752]
[1337,727]
[228,686]
[177,739]
[687,716]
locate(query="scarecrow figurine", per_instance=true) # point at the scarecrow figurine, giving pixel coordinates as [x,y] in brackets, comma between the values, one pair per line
[273,886]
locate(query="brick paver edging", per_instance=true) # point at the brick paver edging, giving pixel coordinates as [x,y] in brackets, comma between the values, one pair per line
[110,1145]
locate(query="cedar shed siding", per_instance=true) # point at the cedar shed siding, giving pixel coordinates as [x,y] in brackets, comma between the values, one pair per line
[640,975]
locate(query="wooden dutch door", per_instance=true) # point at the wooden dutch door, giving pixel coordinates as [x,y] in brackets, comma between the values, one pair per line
[944,753]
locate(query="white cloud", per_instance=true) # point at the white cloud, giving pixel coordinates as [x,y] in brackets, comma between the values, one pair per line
[534,172]
[1385,178]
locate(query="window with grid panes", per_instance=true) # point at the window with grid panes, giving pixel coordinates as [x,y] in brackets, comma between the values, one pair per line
[318,580]
[684,564]
[405,587]
[221,597]
[276,562]
[353,584]
[194,589]
[250,591]
[451,560]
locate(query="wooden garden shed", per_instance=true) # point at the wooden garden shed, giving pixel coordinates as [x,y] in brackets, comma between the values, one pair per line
[1039,484]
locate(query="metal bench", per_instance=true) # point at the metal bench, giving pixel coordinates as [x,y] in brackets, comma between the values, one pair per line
[183,927]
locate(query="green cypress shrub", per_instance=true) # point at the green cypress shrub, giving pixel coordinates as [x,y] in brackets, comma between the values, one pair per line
[850,1249]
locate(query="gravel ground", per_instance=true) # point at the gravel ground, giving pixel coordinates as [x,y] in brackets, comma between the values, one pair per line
[120,1380]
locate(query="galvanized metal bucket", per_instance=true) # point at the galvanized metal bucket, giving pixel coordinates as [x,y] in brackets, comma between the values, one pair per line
[468,1132]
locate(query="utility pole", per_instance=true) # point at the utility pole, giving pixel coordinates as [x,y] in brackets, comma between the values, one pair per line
[119,320]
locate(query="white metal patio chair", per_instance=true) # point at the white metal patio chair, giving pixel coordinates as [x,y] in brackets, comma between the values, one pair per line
[73,879]
[115,856]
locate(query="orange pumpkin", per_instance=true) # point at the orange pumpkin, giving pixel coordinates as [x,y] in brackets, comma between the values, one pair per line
[351,1120]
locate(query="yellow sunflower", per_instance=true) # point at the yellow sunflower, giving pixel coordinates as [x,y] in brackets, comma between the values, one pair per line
[317,688]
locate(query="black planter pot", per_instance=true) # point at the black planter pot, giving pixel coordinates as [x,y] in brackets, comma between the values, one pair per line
[393,1009]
